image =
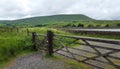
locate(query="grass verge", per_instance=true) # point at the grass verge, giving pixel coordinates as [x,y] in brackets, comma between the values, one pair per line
[6,63]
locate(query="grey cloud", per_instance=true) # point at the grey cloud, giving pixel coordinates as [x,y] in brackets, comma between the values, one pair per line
[98,9]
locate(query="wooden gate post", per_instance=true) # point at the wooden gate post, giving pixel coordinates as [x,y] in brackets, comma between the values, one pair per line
[50,42]
[34,40]
[27,32]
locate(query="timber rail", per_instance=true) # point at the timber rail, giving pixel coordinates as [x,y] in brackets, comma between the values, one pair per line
[111,48]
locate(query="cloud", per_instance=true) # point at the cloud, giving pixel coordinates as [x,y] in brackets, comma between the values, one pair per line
[98,9]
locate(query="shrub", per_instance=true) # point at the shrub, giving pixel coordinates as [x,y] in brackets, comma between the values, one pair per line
[80,25]
[107,25]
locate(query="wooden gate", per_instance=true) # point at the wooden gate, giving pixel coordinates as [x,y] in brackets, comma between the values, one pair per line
[96,52]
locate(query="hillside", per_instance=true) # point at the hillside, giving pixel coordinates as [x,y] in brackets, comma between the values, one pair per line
[47,20]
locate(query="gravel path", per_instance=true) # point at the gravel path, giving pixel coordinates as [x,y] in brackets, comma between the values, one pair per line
[37,61]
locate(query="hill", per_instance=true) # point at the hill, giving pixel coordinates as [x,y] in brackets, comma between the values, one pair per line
[46,20]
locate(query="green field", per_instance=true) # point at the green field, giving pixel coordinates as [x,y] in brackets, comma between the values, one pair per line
[45,20]
[73,20]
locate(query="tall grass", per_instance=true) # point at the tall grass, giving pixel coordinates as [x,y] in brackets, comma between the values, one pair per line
[13,43]
[43,30]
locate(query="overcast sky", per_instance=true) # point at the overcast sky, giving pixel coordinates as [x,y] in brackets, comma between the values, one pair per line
[98,9]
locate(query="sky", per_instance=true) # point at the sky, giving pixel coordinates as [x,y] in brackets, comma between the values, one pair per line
[97,9]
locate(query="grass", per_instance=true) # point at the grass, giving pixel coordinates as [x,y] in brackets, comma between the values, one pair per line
[43,30]
[74,64]
[13,43]
[11,59]
[69,62]
[52,57]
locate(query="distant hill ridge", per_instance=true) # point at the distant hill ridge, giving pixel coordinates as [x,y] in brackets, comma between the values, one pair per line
[48,19]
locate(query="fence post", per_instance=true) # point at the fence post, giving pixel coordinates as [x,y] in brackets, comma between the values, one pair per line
[27,32]
[34,40]
[50,42]
[17,29]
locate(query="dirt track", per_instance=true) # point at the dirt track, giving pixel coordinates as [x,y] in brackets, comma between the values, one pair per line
[37,61]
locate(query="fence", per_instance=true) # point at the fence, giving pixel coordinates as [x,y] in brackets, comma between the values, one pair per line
[94,31]
[98,53]
[9,29]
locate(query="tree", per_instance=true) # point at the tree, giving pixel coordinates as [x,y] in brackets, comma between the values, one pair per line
[118,25]
[73,25]
[107,25]
[80,25]
[68,25]
[41,25]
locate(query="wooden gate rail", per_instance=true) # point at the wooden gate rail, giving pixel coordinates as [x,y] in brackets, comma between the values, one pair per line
[94,47]
[38,42]
[92,39]
[49,41]
[51,37]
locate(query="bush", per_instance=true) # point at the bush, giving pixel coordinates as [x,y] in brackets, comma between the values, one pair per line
[80,25]
[73,25]
[107,25]
[118,25]
[68,25]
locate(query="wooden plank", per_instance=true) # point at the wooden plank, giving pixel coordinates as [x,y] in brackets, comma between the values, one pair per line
[80,61]
[108,48]
[110,41]
[102,55]
[82,50]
